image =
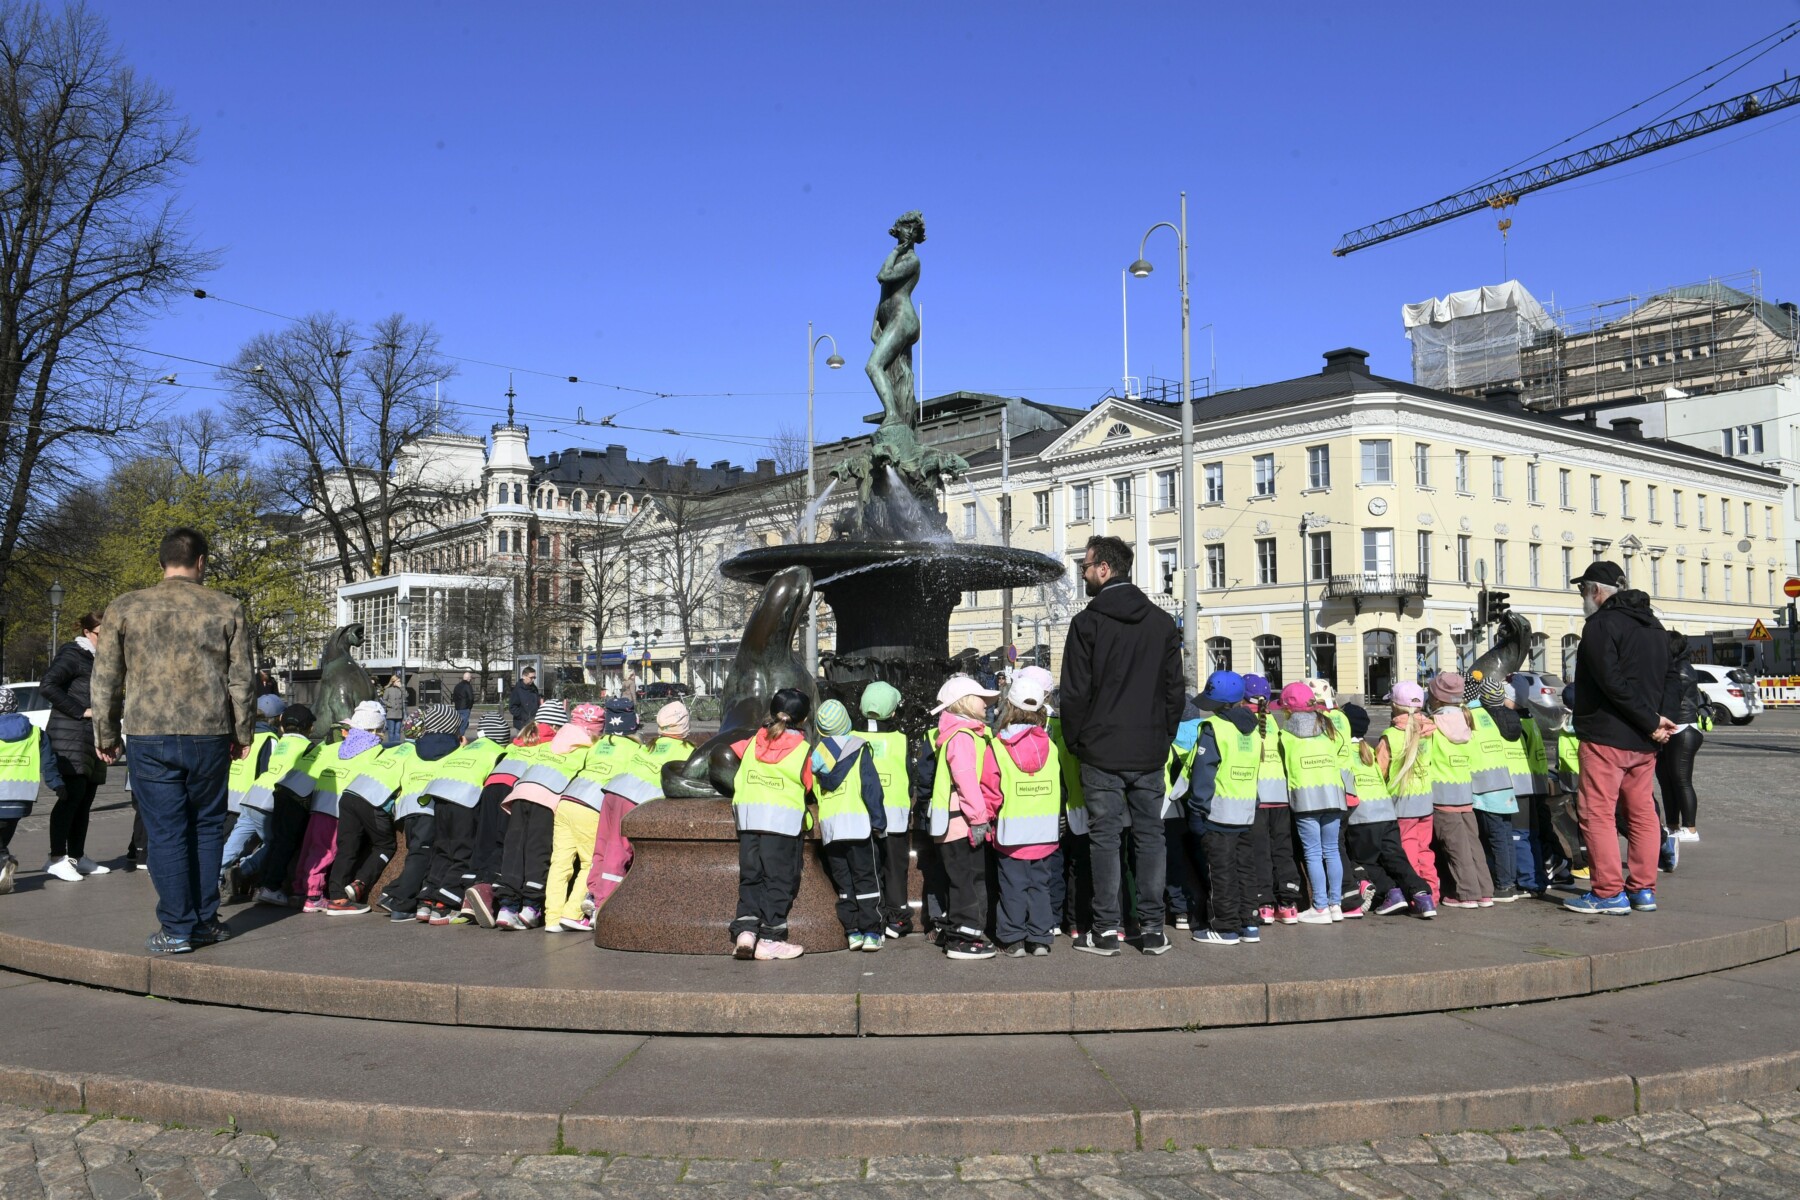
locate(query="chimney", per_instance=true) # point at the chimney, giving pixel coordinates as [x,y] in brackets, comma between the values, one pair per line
[1591,418]
[724,464]
[1505,395]
[1631,427]
[615,454]
[765,468]
[1349,359]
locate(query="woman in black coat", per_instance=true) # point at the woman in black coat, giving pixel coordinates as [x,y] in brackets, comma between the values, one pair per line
[71,732]
[1681,703]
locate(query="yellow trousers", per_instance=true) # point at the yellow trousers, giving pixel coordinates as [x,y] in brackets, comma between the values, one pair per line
[571,848]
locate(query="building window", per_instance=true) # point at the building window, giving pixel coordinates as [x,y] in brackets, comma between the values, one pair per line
[1465,651]
[1651,508]
[1625,499]
[1165,569]
[1656,577]
[1743,439]
[968,520]
[575,502]
[1462,558]
[1769,523]
[1214,477]
[1594,494]
[1705,581]
[1531,483]
[1265,560]
[972,600]
[1421,465]
[1379,646]
[1499,470]
[500,542]
[1378,553]
[1427,648]
[1378,461]
[1499,563]
[1725,571]
[1082,499]
[1263,471]
[1318,466]
[1424,554]
[1675,506]
[543,545]
[1040,503]
[1562,489]
[1534,564]
[1218,653]
[543,591]
[1571,643]
[1268,659]
[518,493]
[1724,515]
[1323,660]
[1122,497]
[1462,472]
[1318,556]
[1749,531]
[1540,653]
[1700,507]
[1215,566]
[575,590]
[1680,580]
[1165,489]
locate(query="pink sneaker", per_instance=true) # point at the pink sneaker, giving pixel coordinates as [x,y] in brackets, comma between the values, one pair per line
[1485,902]
[313,904]
[1287,914]
[767,951]
[745,946]
[1266,915]
[575,925]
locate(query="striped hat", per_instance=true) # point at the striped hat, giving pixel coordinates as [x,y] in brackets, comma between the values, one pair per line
[438,718]
[553,713]
[494,727]
[9,701]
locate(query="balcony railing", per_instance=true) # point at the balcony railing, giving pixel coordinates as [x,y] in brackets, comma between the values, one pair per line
[1377,585]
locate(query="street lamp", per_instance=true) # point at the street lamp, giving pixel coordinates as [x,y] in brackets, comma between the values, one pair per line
[403,609]
[810,529]
[56,599]
[1190,598]
[289,620]
[1306,522]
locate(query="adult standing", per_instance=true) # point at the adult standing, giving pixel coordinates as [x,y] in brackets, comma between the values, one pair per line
[462,698]
[1122,698]
[522,702]
[71,730]
[266,683]
[173,664]
[1682,703]
[393,702]
[1620,671]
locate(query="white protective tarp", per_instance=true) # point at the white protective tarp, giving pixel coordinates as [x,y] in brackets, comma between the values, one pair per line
[1469,339]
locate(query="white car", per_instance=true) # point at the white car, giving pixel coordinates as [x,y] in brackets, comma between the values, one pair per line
[1542,688]
[1730,690]
[31,703]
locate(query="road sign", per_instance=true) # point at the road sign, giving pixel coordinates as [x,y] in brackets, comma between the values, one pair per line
[1792,588]
[1760,632]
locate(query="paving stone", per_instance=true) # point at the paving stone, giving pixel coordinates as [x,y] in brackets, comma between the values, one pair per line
[1405,1152]
[57,1124]
[14,1117]
[453,1187]
[1736,1140]
[1598,1139]
[212,1172]
[1076,1166]
[414,1162]
[1109,1187]
[911,1167]
[248,1147]
[715,1170]
[21,1185]
[982,1167]
[281,1180]
[173,1185]
[568,1167]
[238,1189]
[317,1153]
[643,1170]
[1252,1160]
[1739,1184]
[1654,1127]
[186,1142]
[1714,1115]
[1533,1143]
[1363,1186]
[1269,1186]
[115,1183]
[819,1170]
[1336,1158]
[1467,1147]
[1777,1107]
[117,1133]
[1146,1163]
[1003,1189]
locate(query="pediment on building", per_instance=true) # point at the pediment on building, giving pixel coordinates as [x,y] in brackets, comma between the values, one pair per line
[1112,423]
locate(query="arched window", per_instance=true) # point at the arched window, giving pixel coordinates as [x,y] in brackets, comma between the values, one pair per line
[1268,658]
[1379,649]
[518,493]
[624,502]
[1570,644]
[1540,653]
[1117,429]
[500,494]
[575,502]
[1465,651]
[1218,653]
[1324,658]
[1428,653]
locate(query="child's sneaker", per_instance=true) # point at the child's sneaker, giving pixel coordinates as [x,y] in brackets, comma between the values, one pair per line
[1289,914]
[767,951]
[1423,907]
[1352,914]
[1336,912]
[400,915]
[354,891]
[1643,900]
[507,918]
[578,924]
[969,948]
[63,869]
[744,947]
[1181,921]
[271,896]
[1391,903]
[872,941]
[1212,937]
[313,904]
[1314,916]
[1265,915]
[1018,950]
[587,906]
[458,918]
[8,867]
[345,907]
[1250,933]
[1670,858]
[855,940]
[1039,949]
[441,915]
[423,913]
[1506,895]
[384,902]
[1105,944]
[530,917]
[478,898]
[1485,902]
[1592,905]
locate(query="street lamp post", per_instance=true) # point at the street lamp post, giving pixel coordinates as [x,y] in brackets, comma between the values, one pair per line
[810,530]
[1306,596]
[403,610]
[1190,597]
[56,599]
[289,619]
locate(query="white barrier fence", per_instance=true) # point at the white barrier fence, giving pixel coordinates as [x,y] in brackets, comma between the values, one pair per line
[1779,691]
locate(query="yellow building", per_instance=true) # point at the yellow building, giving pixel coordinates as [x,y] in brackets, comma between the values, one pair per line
[1359,515]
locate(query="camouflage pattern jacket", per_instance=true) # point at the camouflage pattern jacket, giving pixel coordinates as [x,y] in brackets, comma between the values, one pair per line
[173,659]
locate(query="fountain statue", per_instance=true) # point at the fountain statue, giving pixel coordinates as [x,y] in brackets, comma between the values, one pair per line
[891,574]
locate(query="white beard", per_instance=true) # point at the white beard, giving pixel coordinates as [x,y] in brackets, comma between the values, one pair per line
[1589,606]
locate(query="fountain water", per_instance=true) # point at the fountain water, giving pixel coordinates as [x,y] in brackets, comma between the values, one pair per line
[807,529]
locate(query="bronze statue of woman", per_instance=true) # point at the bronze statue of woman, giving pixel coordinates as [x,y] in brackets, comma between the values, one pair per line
[896,328]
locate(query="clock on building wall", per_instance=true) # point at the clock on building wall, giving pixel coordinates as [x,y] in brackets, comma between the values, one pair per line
[1377,506]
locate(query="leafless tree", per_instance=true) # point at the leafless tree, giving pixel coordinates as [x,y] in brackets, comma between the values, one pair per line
[90,243]
[343,411]
[475,630]
[199,444]
[598,584]
[786,498]
[676,551]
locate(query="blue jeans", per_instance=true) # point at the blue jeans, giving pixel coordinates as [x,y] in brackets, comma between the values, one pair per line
[1324,866]
[250,821]
[394,735]
[462,721]
[179,781]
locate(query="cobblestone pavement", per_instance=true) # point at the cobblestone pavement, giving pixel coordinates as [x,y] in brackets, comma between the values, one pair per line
[1735,1150]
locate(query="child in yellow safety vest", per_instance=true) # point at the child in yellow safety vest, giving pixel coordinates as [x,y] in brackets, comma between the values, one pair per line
[891,756]
[576,824]
[851,817]
[1272,836]
[456,785]
[1221,801]
[531,816]
[1312,754]
[768,801]
[1027,831]
[292,778]
[965,793]
[1502,777]
[1404,757]
[26,764]
[1372,834]
[416,811]
[626,762]
[1453,762]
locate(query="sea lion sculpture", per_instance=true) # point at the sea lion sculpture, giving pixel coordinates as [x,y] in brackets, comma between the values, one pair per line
[765,663]
[343,682]
[1512,644]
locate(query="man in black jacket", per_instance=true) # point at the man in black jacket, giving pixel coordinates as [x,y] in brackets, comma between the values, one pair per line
[524,699]
[462,698]
[1122,697]
[1620,670]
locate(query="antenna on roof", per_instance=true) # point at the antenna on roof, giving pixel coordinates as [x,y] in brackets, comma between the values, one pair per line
[509,398]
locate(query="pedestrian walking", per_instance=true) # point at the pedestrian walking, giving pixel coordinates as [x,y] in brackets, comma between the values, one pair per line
[462,699]
[393,703]
[71,729]
[173,666]
[1682,704]
[1621,669]
[1122,697]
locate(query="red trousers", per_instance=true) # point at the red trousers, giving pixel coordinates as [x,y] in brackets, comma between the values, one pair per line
[612,849]
[1415,839]
[1616,784]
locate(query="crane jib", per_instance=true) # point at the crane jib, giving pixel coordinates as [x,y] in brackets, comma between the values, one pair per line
[1635,144]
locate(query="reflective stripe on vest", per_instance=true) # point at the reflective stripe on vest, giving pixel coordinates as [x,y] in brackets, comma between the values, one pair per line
[1074,798]
[1413,797]
[458,777]
[283,771]
[770,797]
[1271,776]
[553,771]
[1489,769]
[843,816]
[1235,781]
[1315,778]
[1568,758]
[1537,758]
[240,777]
[1452,772]
[1030,801]
[618,764]
[940,784]
[321,763]
[888,752]
[1374,804]
[1175,777]
[372,776]
[21,768]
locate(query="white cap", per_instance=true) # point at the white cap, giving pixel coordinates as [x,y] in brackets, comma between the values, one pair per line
[1044,678]
[958,687]
[1028,692]
[369,716]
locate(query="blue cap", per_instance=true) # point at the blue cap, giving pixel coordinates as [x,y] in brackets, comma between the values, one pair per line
[1223,687]
[1569,697]
[270,705]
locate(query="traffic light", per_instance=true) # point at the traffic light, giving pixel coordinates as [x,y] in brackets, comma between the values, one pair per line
[1496,606]
[1481,608]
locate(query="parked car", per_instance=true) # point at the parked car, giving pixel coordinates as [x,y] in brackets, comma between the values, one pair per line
[664,691]
[1731,691]
[31,703]
[1541,687]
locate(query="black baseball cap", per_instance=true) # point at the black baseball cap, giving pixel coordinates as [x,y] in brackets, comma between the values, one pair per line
[1602,572]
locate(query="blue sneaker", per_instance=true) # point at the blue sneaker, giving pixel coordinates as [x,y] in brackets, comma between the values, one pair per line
[1644,900]
[1211,937]
[1670,858]
[1249,933]
[1593,905]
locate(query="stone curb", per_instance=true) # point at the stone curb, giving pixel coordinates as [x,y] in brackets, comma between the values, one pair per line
[1619,1097]
[854,1014]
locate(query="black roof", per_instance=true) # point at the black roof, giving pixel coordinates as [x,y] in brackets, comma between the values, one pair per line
[613,469]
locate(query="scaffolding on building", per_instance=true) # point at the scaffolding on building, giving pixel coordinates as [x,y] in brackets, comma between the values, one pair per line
[1473,340]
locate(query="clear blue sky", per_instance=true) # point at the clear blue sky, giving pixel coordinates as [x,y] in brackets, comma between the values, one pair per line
[662,195]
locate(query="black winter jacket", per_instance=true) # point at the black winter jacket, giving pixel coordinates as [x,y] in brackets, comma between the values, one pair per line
[522,702]
[1681,698]
[462,695]
[1122,690]
[65,686]
[1620,672]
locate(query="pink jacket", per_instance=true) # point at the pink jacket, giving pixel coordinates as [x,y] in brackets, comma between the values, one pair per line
[567,740]
[1029,746]
[974,800]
